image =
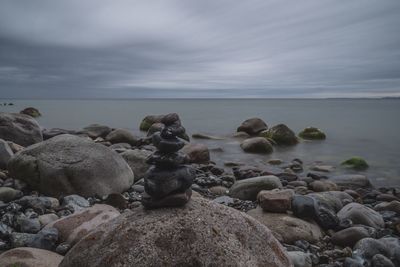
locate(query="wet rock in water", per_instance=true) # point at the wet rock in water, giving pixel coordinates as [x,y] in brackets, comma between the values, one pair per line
[6,154]
[257,145]
[350,236]
[196,153]
[46,239]
[275,161]
[8,194]
[388,206]
[205,136]
[68,164]
[30,257]
[137,160]
[312,133]
[243,135]
[252,126]
[148,121]
[248,189]
[33,112]
[352,181]
[188,236]
[121,136]
[275,200]
[96,130]
[300,259]
[323,185]
[356,163]
[72,228]
[323,168]
[360,214]
[281,134]
[20,129]
[47,134]
[287,228]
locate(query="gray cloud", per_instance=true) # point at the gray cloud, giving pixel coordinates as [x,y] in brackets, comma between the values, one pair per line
[208,48]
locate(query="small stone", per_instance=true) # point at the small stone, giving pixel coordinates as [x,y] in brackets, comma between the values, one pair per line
[121,136]
[323,168]
[63,248]
[275,161]
[21,239]
[300,259]
[197,153]
[218,190]
[390,206]
[350,236]
[167,145]
[28,225]
[360,214]
[45,219]
[312,133]
[257,145]
[248,189]
[275,200]
[75,202]
[8,194]
[356,163]
[323,185]
[46,239]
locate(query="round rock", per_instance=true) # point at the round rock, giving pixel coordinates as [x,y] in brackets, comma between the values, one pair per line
[20,129]
[68,164]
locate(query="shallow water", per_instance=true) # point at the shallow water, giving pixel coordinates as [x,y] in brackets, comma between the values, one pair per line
[364,127]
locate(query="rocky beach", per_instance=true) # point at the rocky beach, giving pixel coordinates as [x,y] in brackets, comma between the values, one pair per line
[103,196]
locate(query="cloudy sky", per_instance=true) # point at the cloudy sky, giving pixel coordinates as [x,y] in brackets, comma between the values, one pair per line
[192,48]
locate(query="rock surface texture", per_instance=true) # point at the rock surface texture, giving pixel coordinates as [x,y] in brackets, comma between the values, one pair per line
[68,164]
[202,233]
[20,129]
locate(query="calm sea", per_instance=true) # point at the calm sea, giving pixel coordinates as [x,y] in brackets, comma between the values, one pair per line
[354,127]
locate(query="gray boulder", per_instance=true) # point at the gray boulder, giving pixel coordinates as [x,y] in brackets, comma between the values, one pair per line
[256,145]
[201,233]
[67,164]
[20,129]
[136,159]
[248,189]
[252,126]
[360,214]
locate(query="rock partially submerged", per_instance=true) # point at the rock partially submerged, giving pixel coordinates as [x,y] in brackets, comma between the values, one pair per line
[20,129]
[252,126]
[202,233]
[33,112]
[356,163]
[281,135]
[68,164]
[312,133]
[257,145]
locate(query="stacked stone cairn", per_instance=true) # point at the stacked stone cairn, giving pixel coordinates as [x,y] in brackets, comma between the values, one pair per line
[168,182]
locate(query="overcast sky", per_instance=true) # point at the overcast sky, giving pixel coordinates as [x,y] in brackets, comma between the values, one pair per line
[199,48]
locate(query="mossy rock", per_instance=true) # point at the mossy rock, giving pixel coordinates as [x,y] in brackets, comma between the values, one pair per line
[312,133]
[33,112]
[281,135]
[356,163]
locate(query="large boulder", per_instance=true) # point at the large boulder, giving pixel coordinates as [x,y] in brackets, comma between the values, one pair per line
[248,189]
[20,129]
[67,164]
[29,257]
[256,145]
[287,228]
[281,134]
[360,214]
[74,227]
[6,154]
[136,159]
[252,126]
[197,153]
[202,233]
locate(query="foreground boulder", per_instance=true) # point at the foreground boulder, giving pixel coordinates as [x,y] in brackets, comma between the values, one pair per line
[257,145]
[252,126]
[20,129]
[202,233]
[281,134]
[67,164]
[287,228]
[30,257]
[74,227]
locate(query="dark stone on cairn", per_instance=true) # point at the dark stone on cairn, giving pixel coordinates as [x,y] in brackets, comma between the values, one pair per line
[168,183]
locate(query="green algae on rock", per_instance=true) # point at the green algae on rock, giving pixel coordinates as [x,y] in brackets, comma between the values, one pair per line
[356,163]
[312,133]
[281,135]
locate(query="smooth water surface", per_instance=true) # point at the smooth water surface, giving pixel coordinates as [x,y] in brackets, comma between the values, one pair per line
[355,127]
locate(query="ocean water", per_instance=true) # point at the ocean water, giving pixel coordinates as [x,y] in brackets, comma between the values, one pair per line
[368,128]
